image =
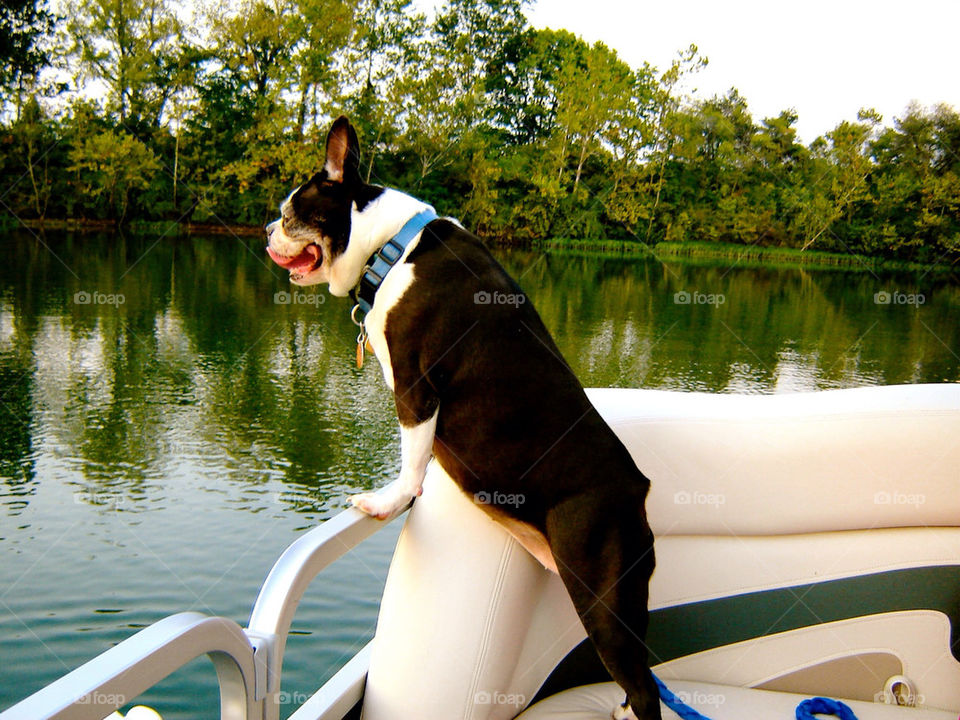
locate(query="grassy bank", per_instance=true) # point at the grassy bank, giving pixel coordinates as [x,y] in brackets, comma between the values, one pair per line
[743,255]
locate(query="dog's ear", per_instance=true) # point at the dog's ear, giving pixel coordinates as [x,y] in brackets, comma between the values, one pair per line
[343,152]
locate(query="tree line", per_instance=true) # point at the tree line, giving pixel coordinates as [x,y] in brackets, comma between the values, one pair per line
[118,110]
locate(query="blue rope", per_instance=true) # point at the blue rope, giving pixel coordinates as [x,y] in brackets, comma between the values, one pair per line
[824,706]
[805,710]
[676,704]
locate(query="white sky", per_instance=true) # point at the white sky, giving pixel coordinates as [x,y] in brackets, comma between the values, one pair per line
[824,58]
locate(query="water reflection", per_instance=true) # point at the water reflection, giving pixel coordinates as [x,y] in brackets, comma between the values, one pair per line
[725,329]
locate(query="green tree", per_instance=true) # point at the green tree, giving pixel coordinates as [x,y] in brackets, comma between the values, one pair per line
[524,133]
[268,77]
[916,183]
[522,82]
[381,52]
[110,166]
[628,203]
[253,44]
[711,171]
[443,99]
[273,47]
[35,135]
[592,94]
[470,35]
[601,108]
[24,24]
[215,134]
[848,153]
[667,127]
[324,28]
[770,164]
[137,48]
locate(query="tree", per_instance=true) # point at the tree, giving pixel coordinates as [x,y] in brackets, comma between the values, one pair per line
[137,48]
[522,83]
[34,133]
[847,150]
[380,54]
[265,80]
[776,145]
[471,35]
[324,27]
[715,172]
[443,98]
[522,132]
[591,93]
[23,25]
[253,45]
[666,127]
[111,165]
[273,47]
[916,182]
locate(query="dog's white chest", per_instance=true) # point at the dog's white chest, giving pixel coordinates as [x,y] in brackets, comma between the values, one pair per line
[394,285]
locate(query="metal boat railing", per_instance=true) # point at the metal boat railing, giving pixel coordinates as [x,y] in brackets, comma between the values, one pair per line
[248,661]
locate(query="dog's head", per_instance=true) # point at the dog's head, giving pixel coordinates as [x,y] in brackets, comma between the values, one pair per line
[313,229]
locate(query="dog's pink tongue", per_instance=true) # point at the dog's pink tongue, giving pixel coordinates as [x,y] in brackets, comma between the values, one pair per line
[302,263]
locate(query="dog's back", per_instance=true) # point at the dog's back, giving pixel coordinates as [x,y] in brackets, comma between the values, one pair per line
[515,418]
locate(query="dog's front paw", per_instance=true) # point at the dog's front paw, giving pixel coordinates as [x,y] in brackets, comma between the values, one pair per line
[378,505]
[623,712]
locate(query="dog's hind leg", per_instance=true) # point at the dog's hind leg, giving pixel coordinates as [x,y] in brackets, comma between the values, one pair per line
[604,552]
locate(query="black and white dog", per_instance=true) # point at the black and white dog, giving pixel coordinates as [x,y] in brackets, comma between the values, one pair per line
[480,385]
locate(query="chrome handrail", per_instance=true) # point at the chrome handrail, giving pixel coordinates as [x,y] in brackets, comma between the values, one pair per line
[113,678]
[248,661]
[281,592]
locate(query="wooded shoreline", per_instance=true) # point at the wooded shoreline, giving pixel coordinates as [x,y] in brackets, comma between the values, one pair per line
[121,111]
[740,255]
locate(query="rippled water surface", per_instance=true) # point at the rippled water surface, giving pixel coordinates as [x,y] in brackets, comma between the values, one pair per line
[172,417]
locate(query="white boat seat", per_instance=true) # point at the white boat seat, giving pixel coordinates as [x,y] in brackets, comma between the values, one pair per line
[717,702]
[740,465]
[761,499]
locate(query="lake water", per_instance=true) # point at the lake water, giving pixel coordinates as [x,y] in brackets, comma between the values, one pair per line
[172,417]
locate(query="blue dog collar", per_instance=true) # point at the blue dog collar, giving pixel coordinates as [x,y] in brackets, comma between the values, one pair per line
[386,257]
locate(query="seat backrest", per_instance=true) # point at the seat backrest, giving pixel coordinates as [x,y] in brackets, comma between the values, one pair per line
[794,463]
[770,500]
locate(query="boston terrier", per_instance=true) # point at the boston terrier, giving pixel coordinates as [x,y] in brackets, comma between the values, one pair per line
[481,386]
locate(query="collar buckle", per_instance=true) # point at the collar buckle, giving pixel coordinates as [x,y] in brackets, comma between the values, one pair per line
[383,260]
